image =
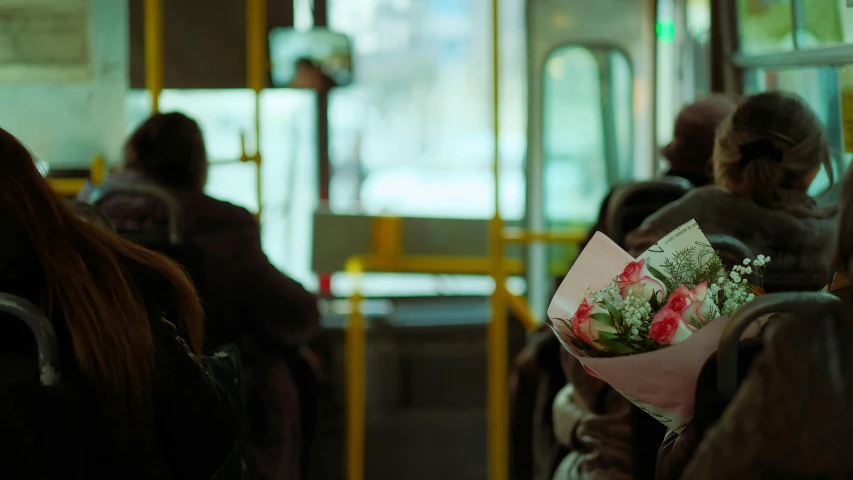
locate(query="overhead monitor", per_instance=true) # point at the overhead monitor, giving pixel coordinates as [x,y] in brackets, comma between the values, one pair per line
[316,59]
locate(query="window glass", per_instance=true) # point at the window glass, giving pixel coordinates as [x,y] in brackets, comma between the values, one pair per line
[825,22]
[819,87]
[575,178]
[765,26]
[668,97]
[696,50]
[623,101]
[413,135]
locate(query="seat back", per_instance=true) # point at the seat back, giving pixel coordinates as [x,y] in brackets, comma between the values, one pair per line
[223,363]
[42,329]
[732,252]
[631,204]
[812,304]
[174,228]
[788,282]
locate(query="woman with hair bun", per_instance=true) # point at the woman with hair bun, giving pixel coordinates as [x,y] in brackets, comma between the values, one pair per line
[766,156]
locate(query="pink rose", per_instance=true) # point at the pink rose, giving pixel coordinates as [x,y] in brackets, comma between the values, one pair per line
[587,328]
[637,279]
[669,327]
[695,305]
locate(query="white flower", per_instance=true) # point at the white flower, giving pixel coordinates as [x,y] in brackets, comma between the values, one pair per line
[746,261]
[636,311]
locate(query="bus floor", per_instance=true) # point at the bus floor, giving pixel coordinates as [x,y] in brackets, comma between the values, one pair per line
[426,397]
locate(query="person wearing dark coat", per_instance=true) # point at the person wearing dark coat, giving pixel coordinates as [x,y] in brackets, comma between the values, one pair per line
[768,154]
[537,373]
[248,301]
[133,399]
[788,418]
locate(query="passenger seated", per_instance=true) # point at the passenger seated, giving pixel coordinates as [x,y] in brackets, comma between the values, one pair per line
[767,155]
[690,152]
[791,416]
[537,374]
[250,302]
[677,451]
[789,419]
[149,408]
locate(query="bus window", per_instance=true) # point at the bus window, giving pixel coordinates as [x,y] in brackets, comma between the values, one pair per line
[765,26]
[575,174]
[827,22]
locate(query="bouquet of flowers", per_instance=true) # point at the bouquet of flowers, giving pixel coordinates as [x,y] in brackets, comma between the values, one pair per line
[648,330]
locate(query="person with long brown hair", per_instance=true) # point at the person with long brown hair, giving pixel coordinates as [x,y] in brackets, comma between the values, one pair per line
[121,314]
[249,302]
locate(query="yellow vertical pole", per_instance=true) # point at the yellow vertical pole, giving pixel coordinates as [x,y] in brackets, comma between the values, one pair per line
[98,170]
[256,61]
[356,366]
[154,51]
[498,388]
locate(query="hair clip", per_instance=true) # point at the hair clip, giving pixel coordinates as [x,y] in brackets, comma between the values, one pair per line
[759,149]
[768,133]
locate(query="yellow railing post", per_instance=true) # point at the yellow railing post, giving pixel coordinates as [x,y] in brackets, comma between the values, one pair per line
[386,238]
[256,62]
[356,368]
[154,51]
[98,170]
[498,385]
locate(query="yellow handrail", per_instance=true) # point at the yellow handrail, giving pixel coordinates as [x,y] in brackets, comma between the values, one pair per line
[387,256]
[154,51]
[356,371]
[67,187]
[497,401]
[525,236]
[70,187]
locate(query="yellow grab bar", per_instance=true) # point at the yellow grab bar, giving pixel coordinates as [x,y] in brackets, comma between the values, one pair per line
[356,371]
[154,51]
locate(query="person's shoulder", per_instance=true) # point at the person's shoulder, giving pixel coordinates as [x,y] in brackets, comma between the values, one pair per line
[225,212]
[707,192]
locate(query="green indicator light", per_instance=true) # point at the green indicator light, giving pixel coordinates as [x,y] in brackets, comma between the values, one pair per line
[665,30]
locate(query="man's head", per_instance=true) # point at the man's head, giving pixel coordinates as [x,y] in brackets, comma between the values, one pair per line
[692,145]
[169,148]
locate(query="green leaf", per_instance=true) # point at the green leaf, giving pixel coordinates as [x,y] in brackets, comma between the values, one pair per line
[616,346]
[656,273]
[655,303]
[603,318]
[608,336]
[615,313]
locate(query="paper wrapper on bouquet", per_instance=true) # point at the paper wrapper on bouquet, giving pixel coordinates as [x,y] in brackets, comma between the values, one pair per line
[660,382]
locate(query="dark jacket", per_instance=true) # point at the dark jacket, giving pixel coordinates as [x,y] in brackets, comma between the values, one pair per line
[238,284]
[798,235]
[248,302]
[791,417]
[601,223]
[677,450]
[63,432]
[536,378]
[595,422]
